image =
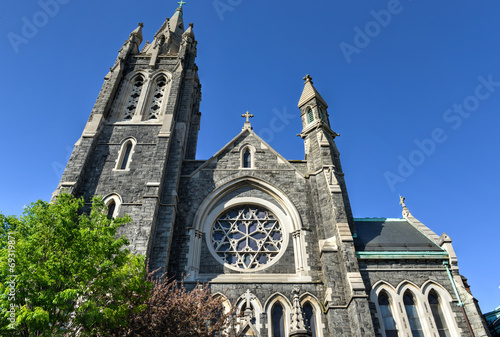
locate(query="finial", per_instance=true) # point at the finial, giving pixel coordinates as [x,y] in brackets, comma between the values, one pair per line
[181,3]
[307,78]
[247,124]
[247,115]
[141,24]
[191,25]
[402,201]
[298,326]
[406,211]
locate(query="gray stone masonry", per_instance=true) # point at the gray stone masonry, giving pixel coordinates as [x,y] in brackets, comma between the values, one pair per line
[173,199]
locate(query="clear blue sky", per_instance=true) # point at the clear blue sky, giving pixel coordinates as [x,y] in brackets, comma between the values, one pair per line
[401,84]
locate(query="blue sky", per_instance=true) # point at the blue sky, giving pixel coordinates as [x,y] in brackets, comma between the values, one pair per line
[413,88]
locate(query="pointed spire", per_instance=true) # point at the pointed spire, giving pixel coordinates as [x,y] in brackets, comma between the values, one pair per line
[176,24]
[168,38]
[189,32]
[297,323]
[310,92]
[138,32]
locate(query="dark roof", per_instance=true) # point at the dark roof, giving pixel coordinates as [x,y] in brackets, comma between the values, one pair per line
[391,235]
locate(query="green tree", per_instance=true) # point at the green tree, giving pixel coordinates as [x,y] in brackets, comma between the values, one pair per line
[73,275]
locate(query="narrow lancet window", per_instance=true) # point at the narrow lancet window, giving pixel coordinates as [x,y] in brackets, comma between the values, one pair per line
[387,316]
[126,156]
[278,320]
[133,99]
[310,318]
[111,209]
[157,99]
[310,116]
[247,159]
[437,313]
[411,311]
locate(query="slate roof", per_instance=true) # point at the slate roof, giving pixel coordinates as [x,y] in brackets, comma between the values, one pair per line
[390,235]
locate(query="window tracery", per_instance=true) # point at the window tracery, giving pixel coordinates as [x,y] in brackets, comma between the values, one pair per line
[247,237]
[133,99]
[157,98]
[404,310]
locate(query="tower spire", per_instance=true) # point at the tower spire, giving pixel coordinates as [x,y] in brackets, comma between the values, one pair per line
[310,92]
[168,38]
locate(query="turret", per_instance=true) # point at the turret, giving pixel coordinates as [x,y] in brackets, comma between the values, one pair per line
[320,149]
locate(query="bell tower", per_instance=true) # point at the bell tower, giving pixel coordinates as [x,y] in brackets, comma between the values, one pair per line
[335,225]
[321,153]
[144,123]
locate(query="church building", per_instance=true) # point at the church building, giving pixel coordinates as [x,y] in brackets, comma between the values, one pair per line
[275,237]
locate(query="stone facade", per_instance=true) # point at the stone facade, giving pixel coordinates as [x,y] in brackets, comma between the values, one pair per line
[287,252]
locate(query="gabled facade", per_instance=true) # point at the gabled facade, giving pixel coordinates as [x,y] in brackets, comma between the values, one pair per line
[276,237]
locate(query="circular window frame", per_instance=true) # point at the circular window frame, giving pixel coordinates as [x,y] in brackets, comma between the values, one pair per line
[281,216]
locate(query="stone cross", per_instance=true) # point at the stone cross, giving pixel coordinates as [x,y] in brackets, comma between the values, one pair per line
[247,124]
[247,115]
[248,296]
[307,78]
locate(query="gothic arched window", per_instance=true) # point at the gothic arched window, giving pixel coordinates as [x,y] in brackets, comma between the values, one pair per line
[310,116]
[112,203]
[157,98]
[247,158]
[133,98]
[310,318]
[125,155]
[278,320]
[387,316]
[411,311]
[111,208]
[437,313]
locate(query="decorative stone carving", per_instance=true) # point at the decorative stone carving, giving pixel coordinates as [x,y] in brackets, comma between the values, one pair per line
[247,237]
[157,99]
[297,322]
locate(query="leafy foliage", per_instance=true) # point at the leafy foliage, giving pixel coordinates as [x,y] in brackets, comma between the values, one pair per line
[67,273]
[72,274]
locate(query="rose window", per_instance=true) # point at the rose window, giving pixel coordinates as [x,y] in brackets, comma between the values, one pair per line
[247,237]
